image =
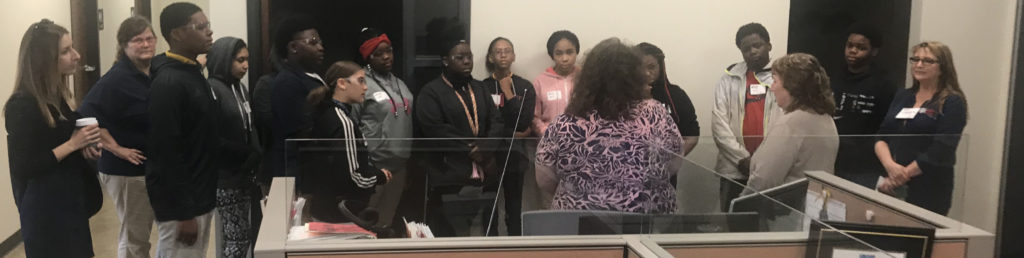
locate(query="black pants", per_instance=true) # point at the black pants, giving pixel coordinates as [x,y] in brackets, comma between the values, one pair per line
[932,190]
[452,213]
[729,191]
[513,190]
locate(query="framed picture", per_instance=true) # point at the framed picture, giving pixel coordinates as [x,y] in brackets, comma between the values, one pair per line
[830,242]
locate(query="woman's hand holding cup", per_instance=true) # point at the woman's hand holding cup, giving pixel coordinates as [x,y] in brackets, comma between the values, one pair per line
[87,134]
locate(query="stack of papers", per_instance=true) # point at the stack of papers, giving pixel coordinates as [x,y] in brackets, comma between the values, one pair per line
[417,230]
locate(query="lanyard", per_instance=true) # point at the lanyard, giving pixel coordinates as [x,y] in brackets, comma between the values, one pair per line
[474,120]
[394,106]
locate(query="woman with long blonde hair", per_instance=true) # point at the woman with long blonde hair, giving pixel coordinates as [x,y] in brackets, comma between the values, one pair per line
[54,188]
[936,108]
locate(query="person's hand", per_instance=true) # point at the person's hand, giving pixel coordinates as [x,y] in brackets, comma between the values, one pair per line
[887,186]
[84,136]
[744,166]
[476,155]
[188,231]
[131,155]
[387,175]
[93,152]
[506,87]
[894,170]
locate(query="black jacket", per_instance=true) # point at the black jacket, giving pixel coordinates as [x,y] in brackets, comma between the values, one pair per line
[521,107]
[288,102]
[326,173]
[181,174]
[440,115]
[680,107]
[119,100]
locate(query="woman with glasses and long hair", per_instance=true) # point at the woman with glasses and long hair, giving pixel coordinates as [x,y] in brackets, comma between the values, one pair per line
[54,188]
[936,109]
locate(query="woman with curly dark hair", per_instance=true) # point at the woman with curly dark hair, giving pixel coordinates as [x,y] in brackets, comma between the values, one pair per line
[804,137]
[612,148]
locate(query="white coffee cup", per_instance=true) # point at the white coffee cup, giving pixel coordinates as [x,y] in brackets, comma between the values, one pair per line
[85,121]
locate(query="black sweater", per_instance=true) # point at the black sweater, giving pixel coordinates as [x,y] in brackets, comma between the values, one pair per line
[181,174]
[119,101]
[680,107]
[862,101]
[288,102]
[439,114]
[524,101]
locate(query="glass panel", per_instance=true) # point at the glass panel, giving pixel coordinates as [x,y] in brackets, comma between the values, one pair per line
[597,193]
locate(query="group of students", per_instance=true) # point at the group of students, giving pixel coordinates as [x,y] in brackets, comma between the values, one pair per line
[172,144]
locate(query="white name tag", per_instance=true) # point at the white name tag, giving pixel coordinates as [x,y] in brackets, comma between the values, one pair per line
[554,95]
[908,113]
[496,98]
[380,96]
[758,89]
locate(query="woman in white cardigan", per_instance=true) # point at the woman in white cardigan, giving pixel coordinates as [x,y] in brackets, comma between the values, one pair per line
[805,137]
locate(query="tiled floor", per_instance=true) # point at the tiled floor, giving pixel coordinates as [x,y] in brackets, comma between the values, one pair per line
[104,227]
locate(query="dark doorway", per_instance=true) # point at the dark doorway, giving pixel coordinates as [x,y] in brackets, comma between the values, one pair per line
[1009,234]
[818,27]
[86,36]
[339,23]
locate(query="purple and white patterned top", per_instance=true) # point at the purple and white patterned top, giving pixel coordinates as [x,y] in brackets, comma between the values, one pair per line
[613,165]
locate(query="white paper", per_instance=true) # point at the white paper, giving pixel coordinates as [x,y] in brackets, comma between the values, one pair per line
[850,253]
[496,98]
[836,209]
[758,89]
[380,96]
[908,113]
[554,95]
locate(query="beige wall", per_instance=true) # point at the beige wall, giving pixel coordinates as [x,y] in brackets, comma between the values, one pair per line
[15,18]
[158,6]
[114,12]
[980,33]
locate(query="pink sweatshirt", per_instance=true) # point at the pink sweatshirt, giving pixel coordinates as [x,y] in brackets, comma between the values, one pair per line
[553,93]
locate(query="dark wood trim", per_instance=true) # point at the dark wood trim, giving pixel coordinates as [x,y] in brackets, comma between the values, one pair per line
[10,243]
[144,9]
[86,36]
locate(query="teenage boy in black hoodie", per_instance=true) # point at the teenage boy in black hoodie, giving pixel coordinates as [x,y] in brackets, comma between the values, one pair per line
[181,175]
[862,93]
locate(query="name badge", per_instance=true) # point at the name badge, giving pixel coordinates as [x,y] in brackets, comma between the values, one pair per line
[380,96]
[497,99]
[758,89]
[554,95]
[908,113]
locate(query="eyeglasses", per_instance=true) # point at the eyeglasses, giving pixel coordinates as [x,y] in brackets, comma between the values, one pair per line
[142,40]
[311,40]
[200,27]
[505,51]
[927,61]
